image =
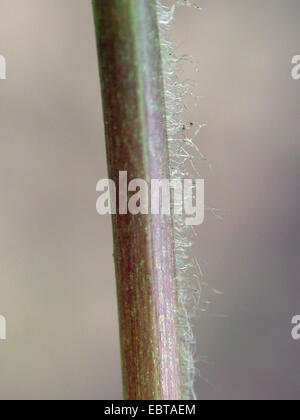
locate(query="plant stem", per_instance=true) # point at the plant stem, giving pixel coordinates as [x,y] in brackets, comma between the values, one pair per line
[136,141]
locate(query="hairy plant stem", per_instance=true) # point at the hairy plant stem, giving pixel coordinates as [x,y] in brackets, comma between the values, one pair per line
[136,141]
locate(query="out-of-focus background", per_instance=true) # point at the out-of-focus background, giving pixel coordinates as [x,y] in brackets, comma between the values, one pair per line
[57,288]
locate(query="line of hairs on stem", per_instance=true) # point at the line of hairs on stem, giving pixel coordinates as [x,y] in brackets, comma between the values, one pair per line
[182,151]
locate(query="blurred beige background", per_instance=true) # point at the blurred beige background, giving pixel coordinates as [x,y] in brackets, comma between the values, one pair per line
[57,286]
